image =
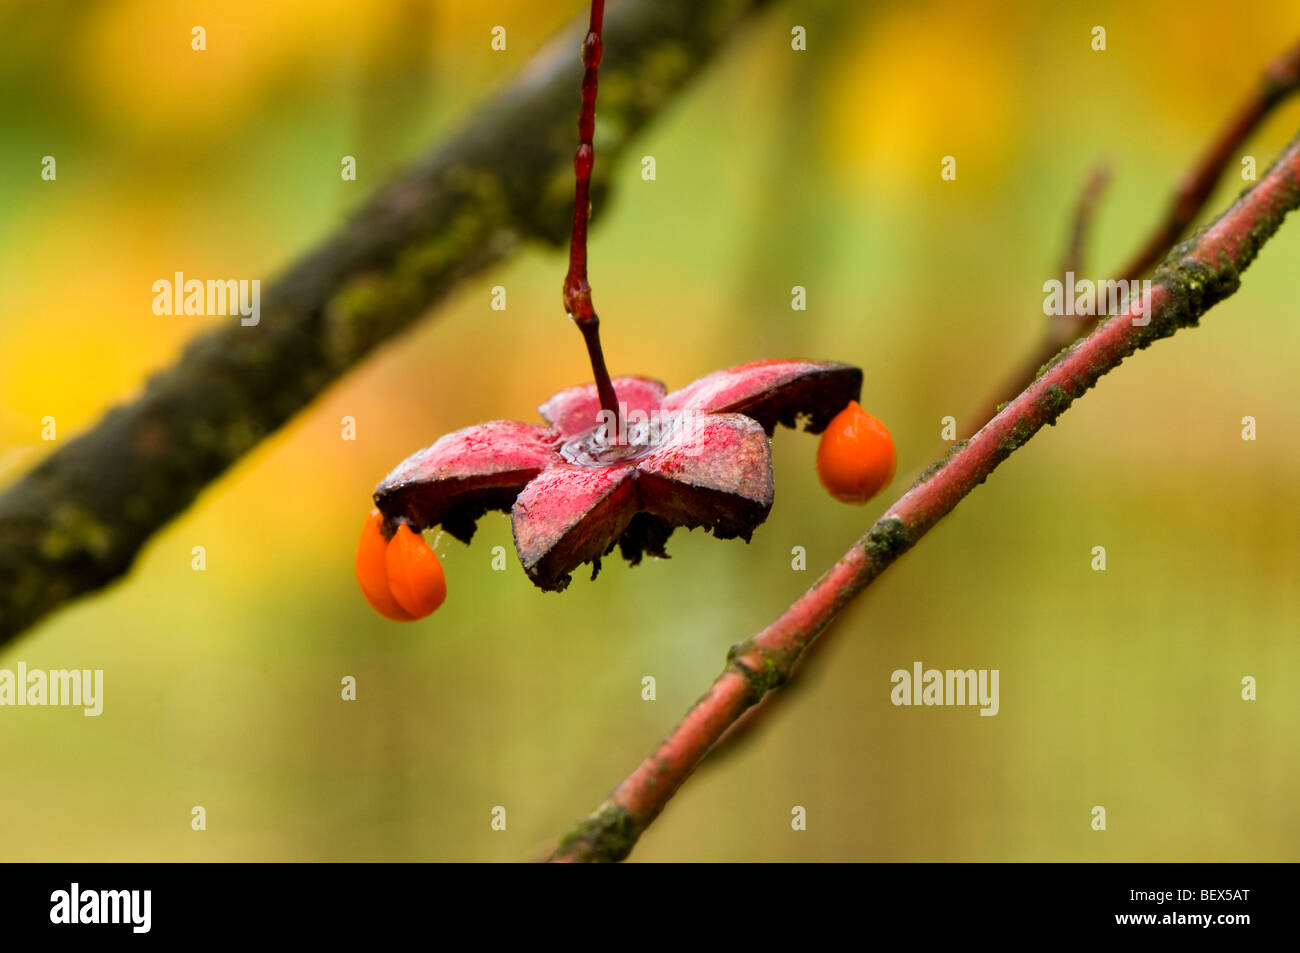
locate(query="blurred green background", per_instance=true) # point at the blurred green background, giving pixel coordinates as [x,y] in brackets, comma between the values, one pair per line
[819,169]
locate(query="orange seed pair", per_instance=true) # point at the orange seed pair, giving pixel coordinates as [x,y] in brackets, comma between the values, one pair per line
[402,577]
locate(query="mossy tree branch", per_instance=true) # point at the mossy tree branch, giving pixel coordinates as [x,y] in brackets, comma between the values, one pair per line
[76,522]
[1194,277]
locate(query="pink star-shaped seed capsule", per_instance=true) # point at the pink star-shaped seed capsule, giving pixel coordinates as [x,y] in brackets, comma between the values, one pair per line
[696,457]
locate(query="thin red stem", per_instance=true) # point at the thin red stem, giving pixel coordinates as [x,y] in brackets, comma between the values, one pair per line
[577,289]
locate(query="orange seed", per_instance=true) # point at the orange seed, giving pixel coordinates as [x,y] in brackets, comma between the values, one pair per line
[415,575]
[856,457]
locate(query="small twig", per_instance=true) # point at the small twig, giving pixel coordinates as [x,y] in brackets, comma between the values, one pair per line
[1193,278]
[1081,225]
[1281,80]
[1060,329]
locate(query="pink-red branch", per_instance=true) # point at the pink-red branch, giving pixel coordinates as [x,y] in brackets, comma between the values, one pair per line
[1195,276]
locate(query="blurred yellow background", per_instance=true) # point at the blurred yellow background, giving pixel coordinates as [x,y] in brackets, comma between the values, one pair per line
[819,169]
